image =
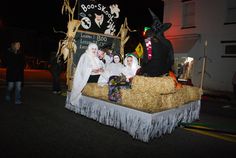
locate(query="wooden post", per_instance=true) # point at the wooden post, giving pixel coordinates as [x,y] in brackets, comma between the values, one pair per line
[203,65]
[122,50]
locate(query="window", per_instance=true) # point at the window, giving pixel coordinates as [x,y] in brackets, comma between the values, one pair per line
[188,19]
[229,48]
[231,12]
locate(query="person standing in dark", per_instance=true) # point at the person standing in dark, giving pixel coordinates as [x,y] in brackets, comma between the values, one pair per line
[55,68]
[15,62]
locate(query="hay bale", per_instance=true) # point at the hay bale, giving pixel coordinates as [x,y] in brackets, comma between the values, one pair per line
[194,93]
[150,102]
[181,96]
[147,101]
[173,99]
[153,85]
[93,90]
[141,101]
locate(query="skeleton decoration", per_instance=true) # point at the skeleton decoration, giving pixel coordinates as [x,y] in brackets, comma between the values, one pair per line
[124,36]
[67,47]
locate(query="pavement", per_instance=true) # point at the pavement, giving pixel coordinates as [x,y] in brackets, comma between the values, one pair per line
[223,96]
[43,127]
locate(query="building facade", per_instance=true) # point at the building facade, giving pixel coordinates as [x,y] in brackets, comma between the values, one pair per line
[206,31]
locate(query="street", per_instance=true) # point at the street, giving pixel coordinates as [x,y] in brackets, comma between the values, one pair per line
[43,127]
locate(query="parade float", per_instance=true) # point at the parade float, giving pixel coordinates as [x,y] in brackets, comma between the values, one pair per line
[146,110]
[152,107]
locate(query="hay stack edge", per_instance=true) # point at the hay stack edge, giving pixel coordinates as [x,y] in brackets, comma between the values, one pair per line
[149,94]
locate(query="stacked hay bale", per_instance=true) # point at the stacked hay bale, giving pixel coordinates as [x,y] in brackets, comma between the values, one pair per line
[145,101]
[155,85]
[146,92]
[93,90]
[149,94]
[180,97]
[153,94]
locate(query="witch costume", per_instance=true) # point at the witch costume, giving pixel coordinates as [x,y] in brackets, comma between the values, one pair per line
[158,51]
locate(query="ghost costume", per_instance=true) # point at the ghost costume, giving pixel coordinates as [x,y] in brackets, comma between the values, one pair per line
[88,63]
[130,70]
[116,83]
[112,69]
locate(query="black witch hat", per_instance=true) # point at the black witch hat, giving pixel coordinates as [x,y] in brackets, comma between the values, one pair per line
[157,26]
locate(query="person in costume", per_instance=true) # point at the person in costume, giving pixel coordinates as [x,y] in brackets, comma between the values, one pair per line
[124,80]
[88,69]
[113,69]
[106,59]
[158,56]
[131,67]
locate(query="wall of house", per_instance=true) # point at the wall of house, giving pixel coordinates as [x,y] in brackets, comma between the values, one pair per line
[209,19]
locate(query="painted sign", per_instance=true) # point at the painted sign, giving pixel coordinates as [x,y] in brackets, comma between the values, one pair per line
[83,38]
[97,17]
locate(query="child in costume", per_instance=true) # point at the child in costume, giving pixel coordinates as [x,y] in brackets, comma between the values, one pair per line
[113,69]
[124,81]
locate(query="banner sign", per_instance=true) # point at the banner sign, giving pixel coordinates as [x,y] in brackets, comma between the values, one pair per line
[97,17]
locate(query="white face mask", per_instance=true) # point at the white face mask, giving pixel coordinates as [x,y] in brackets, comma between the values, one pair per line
[92,48]
[116,59]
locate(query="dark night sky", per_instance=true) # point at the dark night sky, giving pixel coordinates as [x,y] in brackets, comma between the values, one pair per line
[42,15]
[45,14]
[39,15]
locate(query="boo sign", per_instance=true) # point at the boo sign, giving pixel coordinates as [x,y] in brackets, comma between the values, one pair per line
[99,18]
